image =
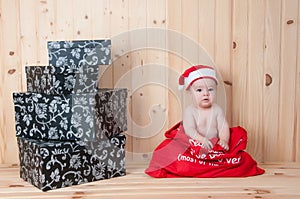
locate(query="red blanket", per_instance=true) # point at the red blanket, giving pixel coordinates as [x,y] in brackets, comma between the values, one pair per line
[181,156]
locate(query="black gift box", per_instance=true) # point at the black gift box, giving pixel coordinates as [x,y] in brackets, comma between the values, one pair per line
[50,80]
[76,116]
[70,55]
[55,164]
[69,132]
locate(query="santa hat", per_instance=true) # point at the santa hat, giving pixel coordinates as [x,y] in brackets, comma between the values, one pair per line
[194,73]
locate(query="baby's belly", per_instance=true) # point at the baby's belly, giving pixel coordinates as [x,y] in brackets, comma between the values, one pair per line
[211,133]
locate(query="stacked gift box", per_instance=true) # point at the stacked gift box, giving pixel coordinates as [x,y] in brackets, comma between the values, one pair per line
[69,131]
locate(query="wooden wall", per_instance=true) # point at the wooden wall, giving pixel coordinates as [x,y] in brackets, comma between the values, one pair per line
[254,44]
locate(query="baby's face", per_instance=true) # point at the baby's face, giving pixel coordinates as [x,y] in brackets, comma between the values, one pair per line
[203,92]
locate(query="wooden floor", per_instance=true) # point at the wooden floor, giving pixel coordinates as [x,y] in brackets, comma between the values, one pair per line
[279,181]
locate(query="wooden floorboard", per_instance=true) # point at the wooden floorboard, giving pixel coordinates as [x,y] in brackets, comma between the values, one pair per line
[279,181]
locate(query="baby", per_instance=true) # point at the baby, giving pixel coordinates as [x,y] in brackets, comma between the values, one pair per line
[203,119]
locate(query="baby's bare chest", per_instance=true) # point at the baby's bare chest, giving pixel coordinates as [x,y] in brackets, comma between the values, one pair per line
[206,122]
[205,117]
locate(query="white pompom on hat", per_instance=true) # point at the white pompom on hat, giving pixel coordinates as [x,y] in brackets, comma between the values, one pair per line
[194,73]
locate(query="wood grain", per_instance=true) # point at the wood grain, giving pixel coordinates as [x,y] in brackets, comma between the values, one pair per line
[223,52]
[62,27]
[240,82]
[297,115]
[245,40]
[279,181]
[207,26]
[157,82]
[288,76]
[175,60]
[103,30]
[82,21]
[138,110]
[11,71]
[46,16]
[120,66]
[255,78]
[271,92]
[191,31]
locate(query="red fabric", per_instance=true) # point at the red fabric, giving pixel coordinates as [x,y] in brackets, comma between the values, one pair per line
[180,156]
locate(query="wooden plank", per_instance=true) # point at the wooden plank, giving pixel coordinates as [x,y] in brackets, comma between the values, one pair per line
[255,78]
[149,111]
[82,20]
[37,21]
[206,27]
[297,129]
[190,48]
[29,37]
[155,74]
[45,29]
[101,29]
[138,114]
[280,180]
[239,63]
[10,78]
[271,89]
[222,54]
[63,25]
[2,73]
[175,60]
[101,20]
[119,36]
[288,80]
[151,131]
[207,39]
[121,66]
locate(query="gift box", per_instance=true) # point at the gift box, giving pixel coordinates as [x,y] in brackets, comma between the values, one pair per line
[75,116]
[71,55]
[50,80]
[54,164]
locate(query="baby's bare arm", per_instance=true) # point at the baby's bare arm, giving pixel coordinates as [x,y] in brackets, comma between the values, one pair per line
[223,129]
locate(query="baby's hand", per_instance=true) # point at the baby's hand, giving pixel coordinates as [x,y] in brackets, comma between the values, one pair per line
[224,144]
[207,144]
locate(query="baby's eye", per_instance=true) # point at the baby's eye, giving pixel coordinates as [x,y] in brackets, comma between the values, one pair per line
[199,90]
[210,89]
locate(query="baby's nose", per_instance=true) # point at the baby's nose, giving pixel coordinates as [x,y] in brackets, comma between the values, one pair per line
[206,93]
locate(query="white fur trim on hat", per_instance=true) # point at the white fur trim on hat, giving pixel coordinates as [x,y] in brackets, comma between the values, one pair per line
[194,73]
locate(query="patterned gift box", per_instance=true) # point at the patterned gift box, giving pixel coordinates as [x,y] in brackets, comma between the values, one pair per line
[54,164]
[71,55]
[47,79]
[78,116]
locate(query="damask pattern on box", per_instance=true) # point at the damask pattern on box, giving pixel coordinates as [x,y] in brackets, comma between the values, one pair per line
[111,114]
[68,56]
[68,130]
[47,79]
[54,164]
[84,116]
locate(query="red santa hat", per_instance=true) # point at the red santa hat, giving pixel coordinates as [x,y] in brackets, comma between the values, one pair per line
[194,73]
